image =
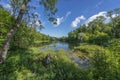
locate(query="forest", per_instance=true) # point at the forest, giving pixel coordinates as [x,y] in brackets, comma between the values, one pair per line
[97,42]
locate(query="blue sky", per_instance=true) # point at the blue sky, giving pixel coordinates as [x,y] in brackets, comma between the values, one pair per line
[72,13]
[78,9]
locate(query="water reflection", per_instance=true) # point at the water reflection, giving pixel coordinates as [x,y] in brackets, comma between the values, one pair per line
[72,45]
[59,45]
[56,46]
[41,44]
[69,48]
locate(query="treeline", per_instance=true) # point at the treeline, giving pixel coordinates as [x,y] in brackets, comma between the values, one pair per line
[100,41]
[25,64]
[98,31]
[25,36]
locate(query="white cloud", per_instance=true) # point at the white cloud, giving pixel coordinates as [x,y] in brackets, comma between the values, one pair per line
[103,13]
[37,23]
[58,21]
[6,6]
[114,15]
[77,21]
[108,19]
[68,13]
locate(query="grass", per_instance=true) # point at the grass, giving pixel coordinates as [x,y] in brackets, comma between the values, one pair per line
[25,64]
[87,49]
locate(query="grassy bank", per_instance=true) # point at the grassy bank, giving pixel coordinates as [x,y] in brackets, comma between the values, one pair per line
[104,61]
[25,64]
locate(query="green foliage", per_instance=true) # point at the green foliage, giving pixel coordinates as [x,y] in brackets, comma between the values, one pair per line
[72,36]
[49,5]
[6,22]
[114,45]
[100,39]
[103,66]
[100,65]
[24,61]
[87,49]
[104,63]
[97,31]
[105,60]
[27,36]
[24,64]
[81,37]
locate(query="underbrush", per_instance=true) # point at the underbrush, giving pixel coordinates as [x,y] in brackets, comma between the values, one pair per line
[26,64]
[104,61]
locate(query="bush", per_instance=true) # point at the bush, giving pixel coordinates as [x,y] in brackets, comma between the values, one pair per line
[100,39]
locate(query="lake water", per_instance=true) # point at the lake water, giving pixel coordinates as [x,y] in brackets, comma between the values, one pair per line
[68,48]
[58,45]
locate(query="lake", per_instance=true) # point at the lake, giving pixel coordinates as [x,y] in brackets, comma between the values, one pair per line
[56,46]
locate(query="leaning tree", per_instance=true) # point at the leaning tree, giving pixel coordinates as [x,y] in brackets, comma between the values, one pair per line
[21,9]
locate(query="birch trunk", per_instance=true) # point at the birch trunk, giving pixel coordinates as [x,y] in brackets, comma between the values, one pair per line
[5,47]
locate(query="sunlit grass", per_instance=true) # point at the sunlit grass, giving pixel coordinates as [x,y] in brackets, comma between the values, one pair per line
[25,64]
[88,49]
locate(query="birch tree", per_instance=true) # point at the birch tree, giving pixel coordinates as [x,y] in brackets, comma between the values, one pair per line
[21,10]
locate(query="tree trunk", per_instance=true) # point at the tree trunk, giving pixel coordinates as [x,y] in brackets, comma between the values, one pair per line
[5,47]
